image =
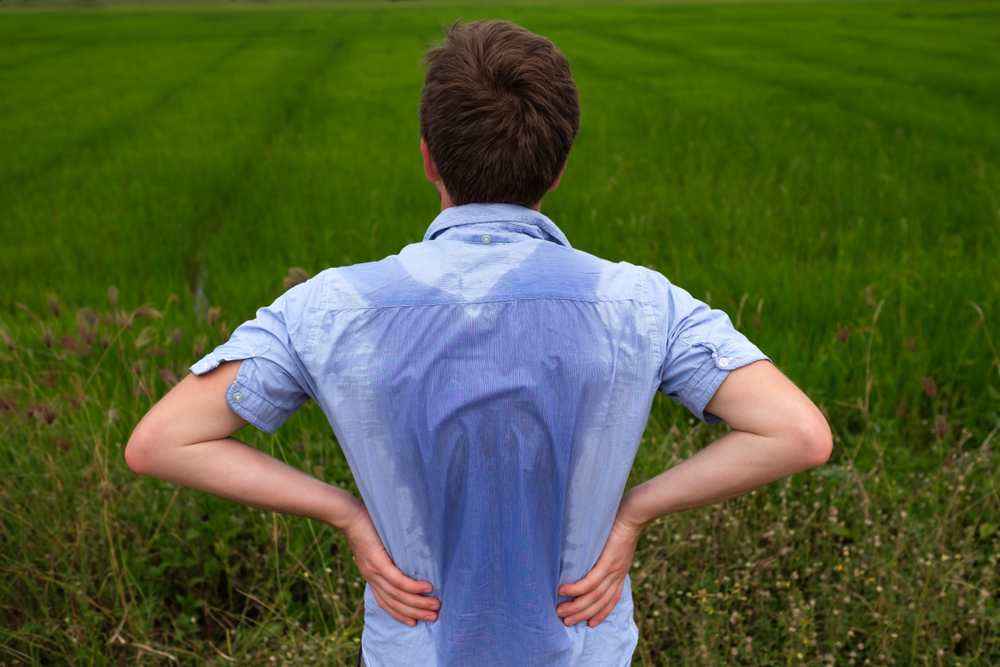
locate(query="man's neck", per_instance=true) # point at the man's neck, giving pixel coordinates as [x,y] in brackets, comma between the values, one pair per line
[447,203]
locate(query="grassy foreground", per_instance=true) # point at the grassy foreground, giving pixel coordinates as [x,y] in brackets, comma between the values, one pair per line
[829,174]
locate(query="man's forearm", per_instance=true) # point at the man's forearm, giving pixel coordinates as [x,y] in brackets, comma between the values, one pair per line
[735,464]
[233,470]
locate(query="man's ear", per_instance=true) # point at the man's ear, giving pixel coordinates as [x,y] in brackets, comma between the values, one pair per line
[429,167]
[555,183]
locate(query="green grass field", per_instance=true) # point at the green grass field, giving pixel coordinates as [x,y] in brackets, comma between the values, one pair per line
[827,173]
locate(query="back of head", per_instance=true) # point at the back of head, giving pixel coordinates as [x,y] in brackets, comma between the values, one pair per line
[499,112]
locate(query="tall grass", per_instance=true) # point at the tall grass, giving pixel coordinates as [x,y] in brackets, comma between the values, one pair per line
[826,173]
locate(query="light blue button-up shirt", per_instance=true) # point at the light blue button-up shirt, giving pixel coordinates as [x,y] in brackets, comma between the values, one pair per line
[489,387]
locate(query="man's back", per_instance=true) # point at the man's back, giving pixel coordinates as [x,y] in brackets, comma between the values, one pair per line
[490,397]
[489,387]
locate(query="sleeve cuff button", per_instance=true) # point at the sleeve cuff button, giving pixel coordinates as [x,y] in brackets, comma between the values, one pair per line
[723,362]
[238,397]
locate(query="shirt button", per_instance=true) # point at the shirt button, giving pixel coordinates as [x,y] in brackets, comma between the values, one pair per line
[724,361]
[486,238]
[237,397]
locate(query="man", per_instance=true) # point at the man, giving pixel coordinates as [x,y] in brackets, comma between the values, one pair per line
[489,387]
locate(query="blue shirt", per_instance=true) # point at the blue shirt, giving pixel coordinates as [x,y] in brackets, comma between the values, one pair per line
[489,387]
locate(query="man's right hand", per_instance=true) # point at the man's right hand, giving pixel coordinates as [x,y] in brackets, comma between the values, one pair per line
[394,592]
[595,596]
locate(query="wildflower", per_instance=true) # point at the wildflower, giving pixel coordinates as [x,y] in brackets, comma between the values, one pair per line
[930,386]
[296,276]
[24,309]
[168,377]
[200,341]
[941,427]
[44,412]
[75,346]
[145,337]
[910,344]
[177,335]
[843,335]
[113,295]
[53,302]
[213,316]
[869,296]
[47,336]
[7,403]
[8,340]
[146,312]
[224,332]
[63,443]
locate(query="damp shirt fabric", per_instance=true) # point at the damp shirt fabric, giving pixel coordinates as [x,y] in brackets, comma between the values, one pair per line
[489,387]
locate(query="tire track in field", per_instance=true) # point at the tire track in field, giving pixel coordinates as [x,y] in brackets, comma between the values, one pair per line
[930,82]
[797,86]
[207,221]
[118,130]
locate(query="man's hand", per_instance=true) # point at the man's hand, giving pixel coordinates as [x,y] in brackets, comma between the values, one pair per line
[596,595]
[185,440]
[777,431]
[394,592]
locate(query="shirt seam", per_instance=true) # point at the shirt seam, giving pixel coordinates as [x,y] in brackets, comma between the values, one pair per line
[479,302]
[654,332]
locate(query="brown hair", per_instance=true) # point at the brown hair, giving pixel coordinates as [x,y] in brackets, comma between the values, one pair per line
[499,112]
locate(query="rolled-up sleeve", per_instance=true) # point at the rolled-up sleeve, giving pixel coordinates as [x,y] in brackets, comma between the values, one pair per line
[272,383]
[699,346]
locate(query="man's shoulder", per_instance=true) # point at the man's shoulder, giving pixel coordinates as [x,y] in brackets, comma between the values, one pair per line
[430,273]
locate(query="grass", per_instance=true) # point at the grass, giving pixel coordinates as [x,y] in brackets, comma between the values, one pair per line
[827,173]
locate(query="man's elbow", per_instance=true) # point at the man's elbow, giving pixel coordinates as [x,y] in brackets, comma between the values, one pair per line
[139,450]
[815,441]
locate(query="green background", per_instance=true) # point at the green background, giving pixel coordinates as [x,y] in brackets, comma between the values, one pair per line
[806,167]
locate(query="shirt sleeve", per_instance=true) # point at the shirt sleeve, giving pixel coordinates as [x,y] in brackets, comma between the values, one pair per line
[272,383]
[700,346]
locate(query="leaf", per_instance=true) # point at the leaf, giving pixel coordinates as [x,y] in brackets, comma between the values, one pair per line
[842,531]
[986,530]
[145,337]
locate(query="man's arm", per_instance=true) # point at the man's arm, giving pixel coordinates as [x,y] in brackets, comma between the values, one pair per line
[185,439]
[777,431]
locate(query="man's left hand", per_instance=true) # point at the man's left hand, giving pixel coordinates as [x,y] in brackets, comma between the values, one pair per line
[403,598]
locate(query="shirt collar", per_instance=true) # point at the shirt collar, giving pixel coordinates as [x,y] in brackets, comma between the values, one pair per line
[523,220]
